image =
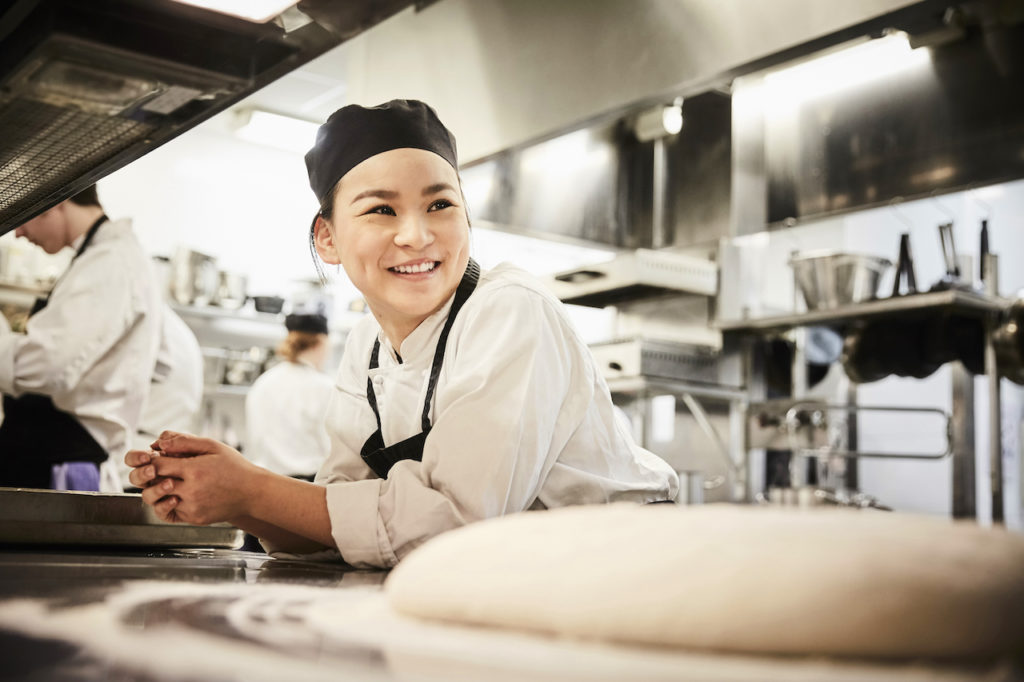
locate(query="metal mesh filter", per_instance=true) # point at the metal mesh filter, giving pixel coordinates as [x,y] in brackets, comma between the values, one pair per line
[44,148]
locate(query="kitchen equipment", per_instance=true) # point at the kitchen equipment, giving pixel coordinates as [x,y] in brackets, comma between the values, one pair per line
[59,517]
[655,358]
[1008,339]
[640,273]
[983,252]
[813,428]
[831,279]
[194,277]
[904,268]
[243,366]
[953,277]
[268,304]
[214,365]
[230,292]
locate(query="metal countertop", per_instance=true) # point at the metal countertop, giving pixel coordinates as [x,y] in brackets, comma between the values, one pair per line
[195,614]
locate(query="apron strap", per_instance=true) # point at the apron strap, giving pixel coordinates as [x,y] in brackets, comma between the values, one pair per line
[462,293]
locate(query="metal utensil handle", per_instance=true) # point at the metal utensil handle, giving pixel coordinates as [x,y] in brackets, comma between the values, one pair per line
[792,424]
[949,249]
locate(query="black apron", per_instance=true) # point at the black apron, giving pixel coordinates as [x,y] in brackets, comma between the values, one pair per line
[35,435]
[380,458]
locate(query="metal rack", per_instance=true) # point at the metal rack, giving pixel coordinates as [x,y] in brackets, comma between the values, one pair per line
[954,299]
[984,305]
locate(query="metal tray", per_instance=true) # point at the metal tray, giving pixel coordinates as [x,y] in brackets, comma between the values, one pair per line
[58,517]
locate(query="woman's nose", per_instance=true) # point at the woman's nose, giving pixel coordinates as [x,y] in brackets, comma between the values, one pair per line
[414,232]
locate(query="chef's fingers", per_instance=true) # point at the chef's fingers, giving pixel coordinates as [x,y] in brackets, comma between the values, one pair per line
[174,467]
[174,443]
[135,458]
[154,493]
[142,477]
[165,508]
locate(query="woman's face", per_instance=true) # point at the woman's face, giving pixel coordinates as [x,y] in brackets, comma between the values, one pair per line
[400,231]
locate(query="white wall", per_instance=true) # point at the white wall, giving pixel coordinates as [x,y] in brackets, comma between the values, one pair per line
[248,205]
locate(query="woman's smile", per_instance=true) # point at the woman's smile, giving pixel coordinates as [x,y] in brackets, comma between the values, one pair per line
[418,269]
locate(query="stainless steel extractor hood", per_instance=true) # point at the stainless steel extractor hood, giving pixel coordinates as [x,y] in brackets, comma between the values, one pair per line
[637,274]
[87,87]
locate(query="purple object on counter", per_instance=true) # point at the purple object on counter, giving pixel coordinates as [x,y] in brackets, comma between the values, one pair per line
[75,476]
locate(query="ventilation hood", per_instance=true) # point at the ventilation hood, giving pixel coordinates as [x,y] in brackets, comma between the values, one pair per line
[87,87]
[637,274]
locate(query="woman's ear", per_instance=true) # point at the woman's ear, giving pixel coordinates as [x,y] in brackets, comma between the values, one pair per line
[323,239]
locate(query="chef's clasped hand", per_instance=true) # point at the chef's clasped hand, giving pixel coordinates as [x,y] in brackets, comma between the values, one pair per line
[188,479]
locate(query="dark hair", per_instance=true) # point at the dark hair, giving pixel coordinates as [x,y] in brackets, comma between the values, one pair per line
[325,212]
[87,197]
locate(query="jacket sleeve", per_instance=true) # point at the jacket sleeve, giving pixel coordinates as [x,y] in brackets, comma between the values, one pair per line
[512,391]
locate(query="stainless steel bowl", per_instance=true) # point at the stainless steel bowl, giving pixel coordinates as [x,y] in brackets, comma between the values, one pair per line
[830,279]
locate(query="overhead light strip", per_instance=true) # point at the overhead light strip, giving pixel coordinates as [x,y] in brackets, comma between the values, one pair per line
[257,11]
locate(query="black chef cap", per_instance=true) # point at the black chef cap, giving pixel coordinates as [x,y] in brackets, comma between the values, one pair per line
[312,324]
[354,133]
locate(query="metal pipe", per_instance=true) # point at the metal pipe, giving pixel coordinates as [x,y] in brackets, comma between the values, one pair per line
[963,503]
[990,270]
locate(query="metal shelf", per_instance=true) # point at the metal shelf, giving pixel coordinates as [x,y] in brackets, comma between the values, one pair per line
[958,299]
[215,313]
[226,390]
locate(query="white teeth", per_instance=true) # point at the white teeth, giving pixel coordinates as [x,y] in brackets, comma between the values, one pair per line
[419,267]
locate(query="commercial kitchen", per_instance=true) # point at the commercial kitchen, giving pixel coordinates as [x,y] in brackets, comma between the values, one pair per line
[788,232]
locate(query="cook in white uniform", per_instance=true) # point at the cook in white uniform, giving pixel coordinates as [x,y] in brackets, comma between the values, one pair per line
[286,406]
[75,381]
[176,387]
[465,396]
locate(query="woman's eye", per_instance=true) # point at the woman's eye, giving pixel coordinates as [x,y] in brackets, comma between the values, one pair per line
[383,209]
[440,204]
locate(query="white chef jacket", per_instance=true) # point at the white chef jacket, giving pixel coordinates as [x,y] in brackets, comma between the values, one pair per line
[94,346]
[522,419]
[176,387]
[284,417]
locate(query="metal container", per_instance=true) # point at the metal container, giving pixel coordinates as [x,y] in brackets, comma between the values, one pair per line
[231,290]
[831,279]
[59,517]
[243,366]
[194,277]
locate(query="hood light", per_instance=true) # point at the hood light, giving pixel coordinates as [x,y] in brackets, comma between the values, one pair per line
[659,122]
[257,11]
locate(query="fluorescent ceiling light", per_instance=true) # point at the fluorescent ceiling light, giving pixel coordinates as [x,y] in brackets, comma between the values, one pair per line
[844,69]
[275,130]
[258,11]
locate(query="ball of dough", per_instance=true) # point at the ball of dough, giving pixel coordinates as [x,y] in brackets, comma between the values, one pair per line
[729,578]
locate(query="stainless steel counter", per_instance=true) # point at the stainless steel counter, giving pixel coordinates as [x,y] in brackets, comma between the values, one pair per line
[215,615]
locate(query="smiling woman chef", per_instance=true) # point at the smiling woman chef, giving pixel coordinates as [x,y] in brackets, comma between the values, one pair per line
[467,395]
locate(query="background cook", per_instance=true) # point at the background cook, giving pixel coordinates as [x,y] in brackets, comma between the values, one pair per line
[285,407]
[75,381]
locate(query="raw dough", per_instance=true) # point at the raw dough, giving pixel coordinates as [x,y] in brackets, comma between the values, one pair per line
[730,578]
